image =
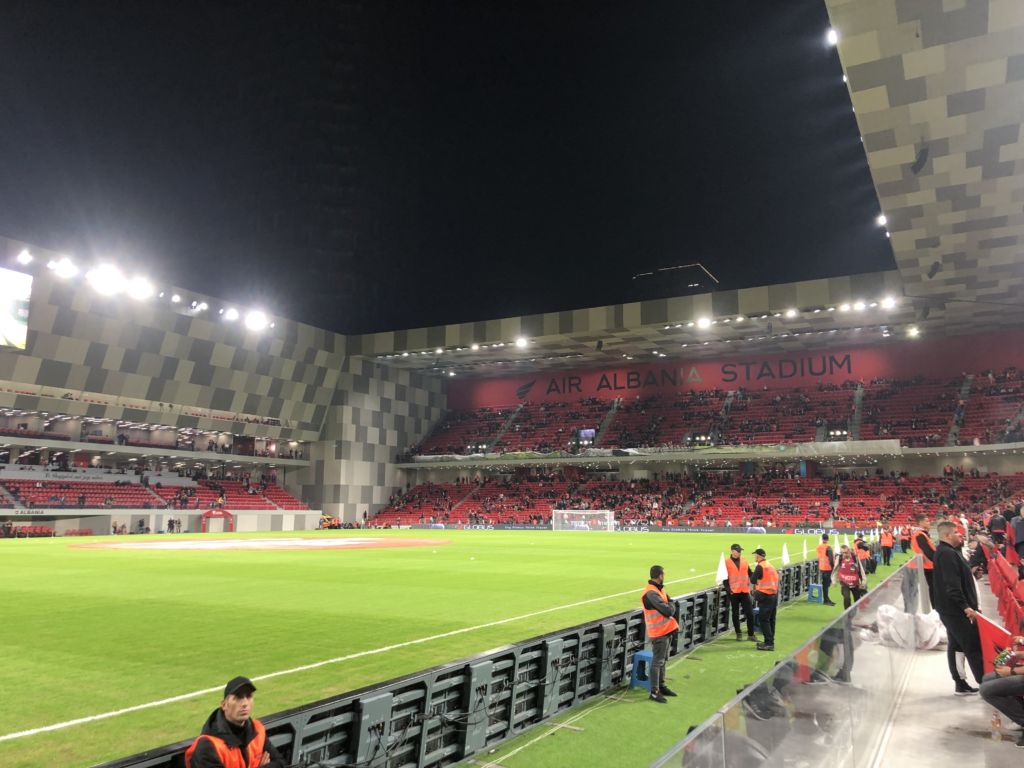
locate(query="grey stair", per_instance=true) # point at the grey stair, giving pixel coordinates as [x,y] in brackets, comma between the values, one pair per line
[505,427]
[606,422]
[964,394]
[858,412]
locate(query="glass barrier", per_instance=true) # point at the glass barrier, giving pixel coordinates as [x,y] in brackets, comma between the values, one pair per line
[827,702]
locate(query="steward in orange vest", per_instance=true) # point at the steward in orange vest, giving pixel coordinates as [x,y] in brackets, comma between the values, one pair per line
[826,561]
[766,594]
[737,586]
[660,621]
[231,737]
[886,540]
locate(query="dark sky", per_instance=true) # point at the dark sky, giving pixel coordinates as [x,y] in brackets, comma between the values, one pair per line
[393,164]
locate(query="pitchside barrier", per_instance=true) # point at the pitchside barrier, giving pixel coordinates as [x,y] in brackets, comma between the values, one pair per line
[830,703]
[442,715]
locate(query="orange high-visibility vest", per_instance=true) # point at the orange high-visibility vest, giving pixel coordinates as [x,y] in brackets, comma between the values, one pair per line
[863,554]
[739,576]
[657,624]
[886,538]
[233,757]
[769,583]
[928,565]
[823,563]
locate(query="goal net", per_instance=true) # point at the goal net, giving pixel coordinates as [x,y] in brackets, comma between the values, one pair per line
[582,520]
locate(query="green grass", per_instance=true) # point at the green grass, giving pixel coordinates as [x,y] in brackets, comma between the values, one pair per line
[86,631]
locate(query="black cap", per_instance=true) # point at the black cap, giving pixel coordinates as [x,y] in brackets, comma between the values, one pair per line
[237,683]
[736,548]
[760,552]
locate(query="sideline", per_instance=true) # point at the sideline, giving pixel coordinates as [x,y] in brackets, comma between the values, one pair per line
[325,662]
[603,704]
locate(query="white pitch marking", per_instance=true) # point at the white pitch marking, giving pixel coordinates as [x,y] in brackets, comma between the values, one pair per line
[315,665]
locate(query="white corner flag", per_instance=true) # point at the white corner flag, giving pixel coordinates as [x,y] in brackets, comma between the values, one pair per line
[723,574]
[805,549]
[785,554]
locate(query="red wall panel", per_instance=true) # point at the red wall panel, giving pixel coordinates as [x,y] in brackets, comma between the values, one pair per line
[932,358]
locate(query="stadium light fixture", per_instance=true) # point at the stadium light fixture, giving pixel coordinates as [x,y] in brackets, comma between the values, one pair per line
[63,268]
[405,354]
[859,306]
[231,314]
[703,322]
[832,37]
[25,258]
[881,220]
[790,313]
[106,280]
[844,307]
[139,288]
[438,351]
[521,343]
[255,320]
[739,318]
[913,332]
[175,299]
[451,373]
[203,306]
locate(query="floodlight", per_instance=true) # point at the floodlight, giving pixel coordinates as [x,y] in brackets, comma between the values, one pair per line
[231,314]
[438,351]
[844,307]
[64,268]
[913,332]
[203,306]
[790,313]
[521,343]
[139,288]
[474,347]
[175,299]
[703,322]
[25,258]
[832,37]
[255,320]
[106,280]
[859,306]
[881,220]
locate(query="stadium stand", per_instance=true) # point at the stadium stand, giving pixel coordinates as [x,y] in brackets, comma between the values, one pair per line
[787,415]
[92,494]
[918,412]
[461,432]
[994,401]
[548,427]
[705,499]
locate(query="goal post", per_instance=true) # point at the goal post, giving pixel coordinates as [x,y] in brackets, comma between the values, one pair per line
[582,520]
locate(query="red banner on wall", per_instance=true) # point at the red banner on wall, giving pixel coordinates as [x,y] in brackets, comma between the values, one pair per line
[933,359]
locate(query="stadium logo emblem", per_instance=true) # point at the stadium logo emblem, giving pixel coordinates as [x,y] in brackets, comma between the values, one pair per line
[524,390]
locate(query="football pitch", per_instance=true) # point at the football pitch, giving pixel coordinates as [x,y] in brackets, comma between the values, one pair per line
[87,631]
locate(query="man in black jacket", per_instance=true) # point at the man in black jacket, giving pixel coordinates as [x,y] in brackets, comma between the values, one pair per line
[956,600]
[231,733]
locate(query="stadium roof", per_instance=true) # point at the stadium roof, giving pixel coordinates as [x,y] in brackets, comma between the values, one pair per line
[938,92]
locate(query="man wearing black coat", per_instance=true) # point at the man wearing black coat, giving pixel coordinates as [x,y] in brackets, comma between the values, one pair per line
[956,599]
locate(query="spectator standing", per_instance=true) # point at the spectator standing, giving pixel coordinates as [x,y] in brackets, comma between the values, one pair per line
[921,544]
[826,562]
[231,737]
[851,577]
[660,621]
[886,542]
[956,600]
[997,527]
[766,580]
[737,586]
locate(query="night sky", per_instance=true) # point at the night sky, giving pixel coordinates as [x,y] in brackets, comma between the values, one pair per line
[388,165]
